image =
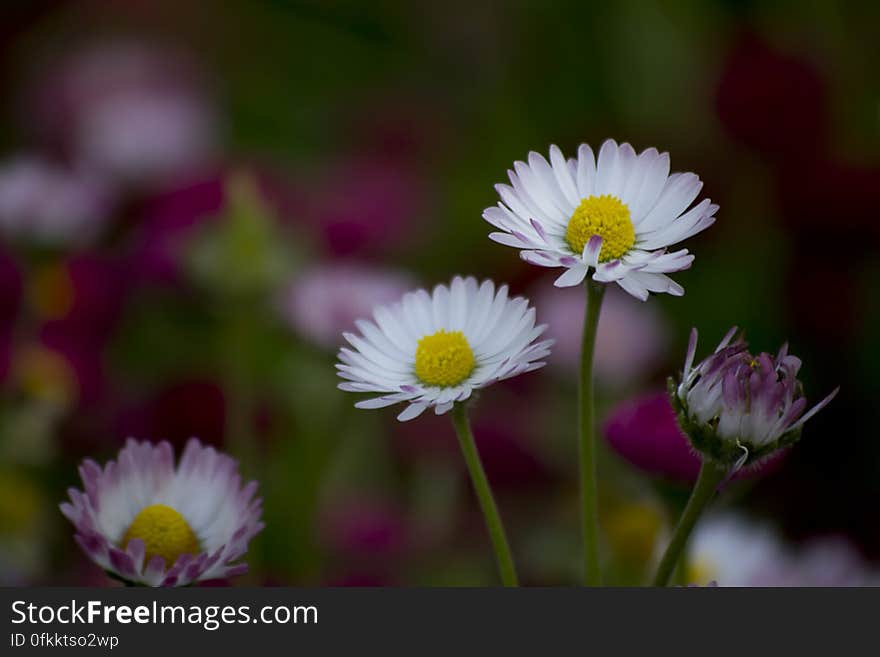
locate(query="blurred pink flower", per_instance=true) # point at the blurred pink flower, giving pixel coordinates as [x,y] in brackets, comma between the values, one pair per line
[325,300]
[130,110]
[367,204]
[97,287]
[362,527]
[176,412]
[507,435]
[46,204]
[772,101]
[368,536]
[631,340]
[645,432]
[77,331]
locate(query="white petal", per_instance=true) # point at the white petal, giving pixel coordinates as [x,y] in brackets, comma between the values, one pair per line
[412,411]
[586,171]
[563,176]
[572,276]
[607,172]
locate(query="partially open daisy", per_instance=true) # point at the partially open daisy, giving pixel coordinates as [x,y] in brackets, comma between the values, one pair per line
[617,215]
[736,409]
[432,350]
[147,522]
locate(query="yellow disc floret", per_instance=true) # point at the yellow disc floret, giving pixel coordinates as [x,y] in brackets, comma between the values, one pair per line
[165,533]
[444,358]
[605,216]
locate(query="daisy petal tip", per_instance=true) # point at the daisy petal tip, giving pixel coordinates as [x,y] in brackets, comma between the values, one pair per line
[571,277]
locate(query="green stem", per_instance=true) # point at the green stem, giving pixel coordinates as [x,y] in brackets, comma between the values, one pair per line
[711,475]
[239,387]
[484,495]
[587,444]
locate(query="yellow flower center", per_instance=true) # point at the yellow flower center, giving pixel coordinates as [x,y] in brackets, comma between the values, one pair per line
[700,571]
[444,358]
[20,504]
[45,375]
[632,530]
[164,532]
[607,217]
[50,292]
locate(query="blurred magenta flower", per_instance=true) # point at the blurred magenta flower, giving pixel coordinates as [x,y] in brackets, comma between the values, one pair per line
[171,221]
[506,434]
[326,299]
[772,101]
[369,538]
[645,432]
[11,285]
[507,442]
[45,204]
[129,110]
[379,209]
[360,527]
[77,323]
[168,222]
[94,289]
[631,339]
[73,306]
[176,412]
[149,521]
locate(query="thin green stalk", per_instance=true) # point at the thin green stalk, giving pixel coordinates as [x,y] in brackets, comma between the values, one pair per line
[587,443]
[711,475]
[239,387]
[484,495]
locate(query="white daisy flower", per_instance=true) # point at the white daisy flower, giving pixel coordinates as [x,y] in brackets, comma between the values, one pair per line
[432,350]
[148,522]
[733,550]
[617,215]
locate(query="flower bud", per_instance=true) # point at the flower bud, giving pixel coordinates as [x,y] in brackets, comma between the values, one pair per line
[737,408]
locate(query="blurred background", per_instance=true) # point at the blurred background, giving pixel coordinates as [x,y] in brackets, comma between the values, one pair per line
[196,198]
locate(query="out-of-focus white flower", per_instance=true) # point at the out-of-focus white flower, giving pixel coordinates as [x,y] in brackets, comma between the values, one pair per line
[631,338]
[826,561]
[143,137]
[325,300]
[616,214]
[733,550]
[433,350]
[134,111]
[46,204]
